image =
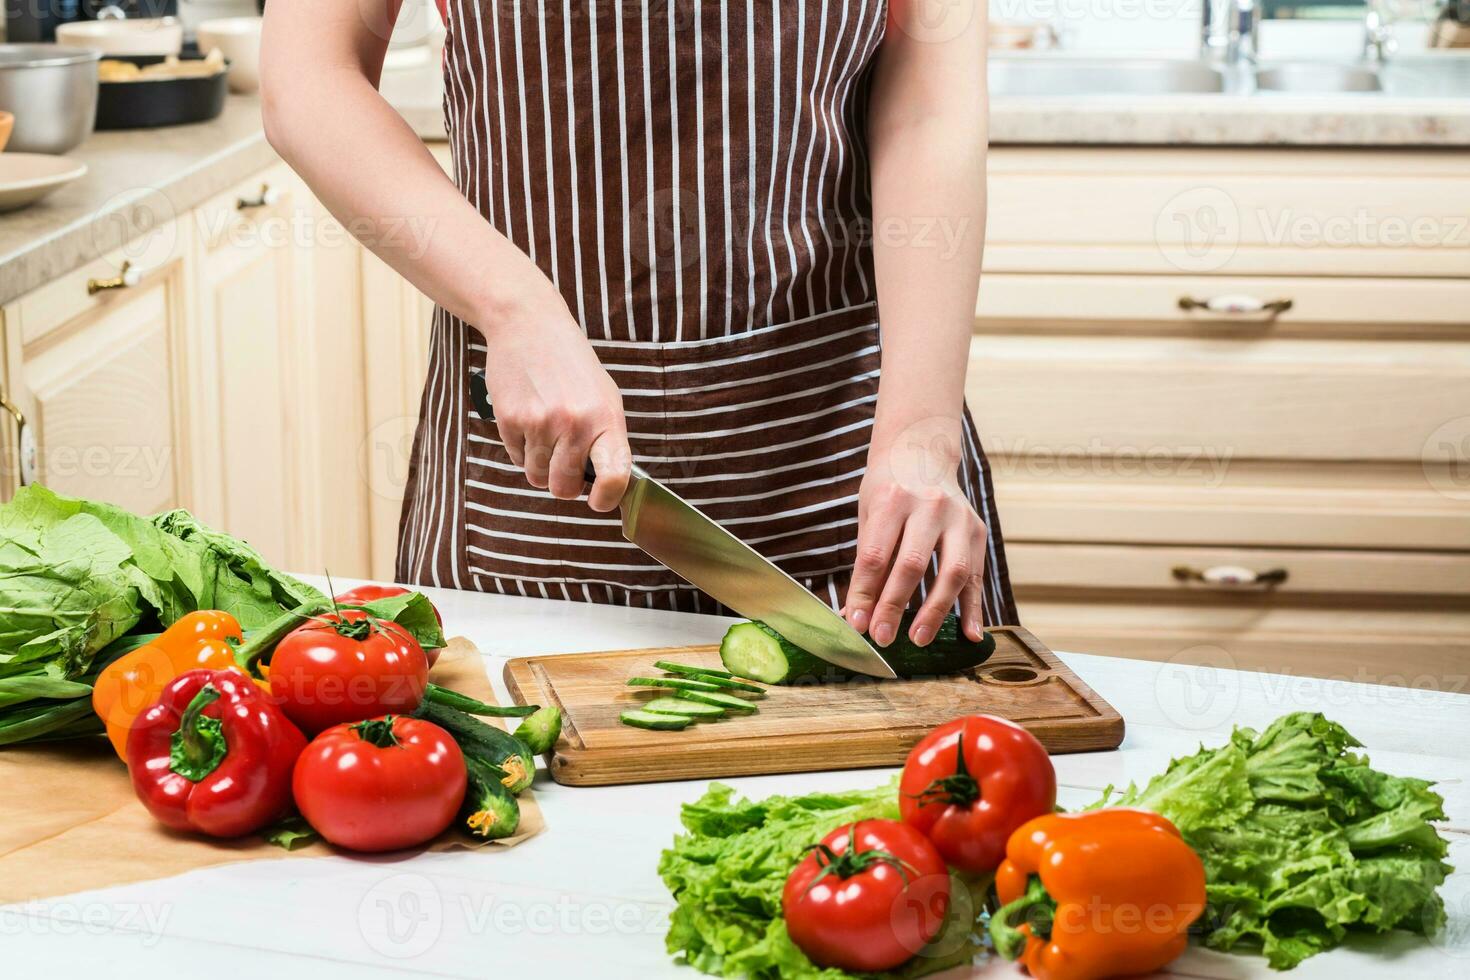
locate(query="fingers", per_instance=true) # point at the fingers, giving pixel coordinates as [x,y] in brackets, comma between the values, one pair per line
[910,562]
[962,557]
[878,531]
[613,461]
[972,616]
[568,460]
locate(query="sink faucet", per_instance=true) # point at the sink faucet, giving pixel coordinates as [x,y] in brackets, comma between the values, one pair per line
[1229,31]
[1378,41]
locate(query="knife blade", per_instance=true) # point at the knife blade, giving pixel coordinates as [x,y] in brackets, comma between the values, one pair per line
[682,537]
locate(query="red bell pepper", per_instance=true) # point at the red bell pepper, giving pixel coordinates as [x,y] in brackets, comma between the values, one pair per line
[214,755]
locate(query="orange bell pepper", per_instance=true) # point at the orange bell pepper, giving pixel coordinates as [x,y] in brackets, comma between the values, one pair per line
[128,687]
[1107,893]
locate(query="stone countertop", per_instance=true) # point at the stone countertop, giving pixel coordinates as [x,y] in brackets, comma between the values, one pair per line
[189,164]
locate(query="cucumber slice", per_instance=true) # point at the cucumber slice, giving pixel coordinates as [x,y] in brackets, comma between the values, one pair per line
[683,706]
[734,685]
[690,671]
[673,683]
[756,651]
[655,722]
[721,699]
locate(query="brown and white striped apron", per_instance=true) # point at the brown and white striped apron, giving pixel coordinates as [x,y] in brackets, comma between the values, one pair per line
[692,175]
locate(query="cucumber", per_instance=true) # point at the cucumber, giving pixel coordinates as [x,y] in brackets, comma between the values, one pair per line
[540,731]
[685,707]
[490,810]
[491,745]
[756,651]
[655,722]
[720,699]
[734,685]
[691,671]
[673,683]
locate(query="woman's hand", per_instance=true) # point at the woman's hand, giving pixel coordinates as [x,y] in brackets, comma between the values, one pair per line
[554,403]
[910,506]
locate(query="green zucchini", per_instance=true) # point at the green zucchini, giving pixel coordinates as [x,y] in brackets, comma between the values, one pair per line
[540,731]
[673,683]
[688,670]
[488,743]
[685,707]
[720,699]
[490,810]
[756,651]
[655,722]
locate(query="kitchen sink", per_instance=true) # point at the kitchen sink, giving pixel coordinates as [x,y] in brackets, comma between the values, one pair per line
[1315,77]
[1061,75]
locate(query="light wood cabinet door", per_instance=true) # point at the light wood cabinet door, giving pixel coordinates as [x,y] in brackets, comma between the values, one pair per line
[243,372]
[93,362]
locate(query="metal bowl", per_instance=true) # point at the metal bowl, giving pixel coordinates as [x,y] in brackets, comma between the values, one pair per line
[52,91]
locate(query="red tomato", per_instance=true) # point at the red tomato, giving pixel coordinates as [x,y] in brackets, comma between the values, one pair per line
[970,783]
[380,785]
[367,593]
[347,666]
[868,897]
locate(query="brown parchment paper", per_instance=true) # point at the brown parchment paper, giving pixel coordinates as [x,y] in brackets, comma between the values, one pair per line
[69,821]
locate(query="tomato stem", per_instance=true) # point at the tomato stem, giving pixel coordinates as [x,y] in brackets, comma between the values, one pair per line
[959,789]
[377,731]
[852,862]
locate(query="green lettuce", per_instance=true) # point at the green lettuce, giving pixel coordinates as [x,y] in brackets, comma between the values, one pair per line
[727,874]
[75,575]
[1301,839]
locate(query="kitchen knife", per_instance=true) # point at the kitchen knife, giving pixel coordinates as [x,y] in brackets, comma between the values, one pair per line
[676,533]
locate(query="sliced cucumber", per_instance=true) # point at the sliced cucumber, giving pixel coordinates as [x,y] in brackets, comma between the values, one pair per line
[673,683]
[721,699]
[683,706]
[734,685]
[655,722]
[691,671]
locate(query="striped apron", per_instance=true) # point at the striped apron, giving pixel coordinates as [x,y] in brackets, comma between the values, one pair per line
[692,175]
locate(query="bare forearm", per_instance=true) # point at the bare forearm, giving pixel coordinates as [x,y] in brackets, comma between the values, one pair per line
[377,177]
[928,137]
[929,227]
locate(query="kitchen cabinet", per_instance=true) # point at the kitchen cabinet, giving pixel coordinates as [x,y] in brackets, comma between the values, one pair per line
[1216,388]
[95,364]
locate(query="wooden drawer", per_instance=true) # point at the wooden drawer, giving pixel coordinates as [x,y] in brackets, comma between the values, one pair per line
[1319,306]
[1076,569]
[1388,642]
[1229,211]
[1233,399]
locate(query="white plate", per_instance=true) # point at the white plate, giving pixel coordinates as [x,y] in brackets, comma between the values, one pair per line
[133,37]
[25,178]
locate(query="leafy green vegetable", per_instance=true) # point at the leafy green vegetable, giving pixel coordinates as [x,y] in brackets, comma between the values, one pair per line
[728,871]
[76,575]
[1301,839]
[291,832]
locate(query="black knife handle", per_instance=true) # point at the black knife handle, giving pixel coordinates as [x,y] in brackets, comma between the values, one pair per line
[480,396]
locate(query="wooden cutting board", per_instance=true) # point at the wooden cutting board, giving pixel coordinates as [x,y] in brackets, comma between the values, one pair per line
[851,725]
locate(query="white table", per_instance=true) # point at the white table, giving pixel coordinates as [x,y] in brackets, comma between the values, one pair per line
[584,899]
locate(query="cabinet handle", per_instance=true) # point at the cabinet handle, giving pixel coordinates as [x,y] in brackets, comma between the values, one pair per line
[126,278]
[268,195]
[1236,305]
[1229,576]
[25,452]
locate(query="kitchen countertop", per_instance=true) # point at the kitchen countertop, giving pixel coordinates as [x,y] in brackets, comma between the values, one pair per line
[584,898]
[189,164]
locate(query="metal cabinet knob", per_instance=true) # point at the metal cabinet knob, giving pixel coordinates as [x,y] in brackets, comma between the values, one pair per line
[1237,305]
[1229,576]
[268,195]
[126,278]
